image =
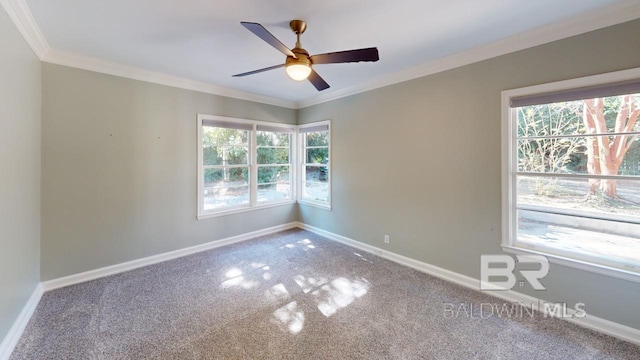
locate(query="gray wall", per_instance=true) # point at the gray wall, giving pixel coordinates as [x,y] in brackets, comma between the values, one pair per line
[119,170]
[420,161]
[20,175]
[119,167]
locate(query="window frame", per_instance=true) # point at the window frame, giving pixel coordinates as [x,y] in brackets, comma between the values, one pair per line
[303,161]
[291,164]
[253,167]
[510,164]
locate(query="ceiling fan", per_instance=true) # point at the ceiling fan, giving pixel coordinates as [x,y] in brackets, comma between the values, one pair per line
[299,65]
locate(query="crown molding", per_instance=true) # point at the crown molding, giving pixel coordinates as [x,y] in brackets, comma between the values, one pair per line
[21,15]
[593,20]
[618,13]
[59,57]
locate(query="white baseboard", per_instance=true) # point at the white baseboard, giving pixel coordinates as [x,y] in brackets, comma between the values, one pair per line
[403,260]
[138,263]
[8,344]
[595,323]
[11,340]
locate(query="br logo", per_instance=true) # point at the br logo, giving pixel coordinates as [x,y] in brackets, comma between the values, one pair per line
[504,267]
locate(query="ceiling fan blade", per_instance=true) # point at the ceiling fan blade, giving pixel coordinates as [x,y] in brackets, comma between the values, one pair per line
[317,81]
[259,70]
[265,35]
[368,54]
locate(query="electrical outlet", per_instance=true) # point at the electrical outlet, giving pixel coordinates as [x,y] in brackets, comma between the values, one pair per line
[386,239]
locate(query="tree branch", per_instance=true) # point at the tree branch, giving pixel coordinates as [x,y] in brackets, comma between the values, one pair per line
[632,120]
[629,142]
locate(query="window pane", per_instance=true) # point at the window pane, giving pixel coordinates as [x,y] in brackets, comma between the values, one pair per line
[566,118]
[316,174]
[226,177]
[268,138]
[555,234]
[316,184]
[562,215]
[318,156]
[273,155]
[316,191]
[271,174]
[318,138]
[224,146]
[572,155]
[274,192]
[217,198]
[216,136]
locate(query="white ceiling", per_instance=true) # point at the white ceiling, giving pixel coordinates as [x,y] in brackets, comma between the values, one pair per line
[203,40]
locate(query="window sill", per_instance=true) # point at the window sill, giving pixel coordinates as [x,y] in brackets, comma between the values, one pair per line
[314,204]
[577,264]
[244,209]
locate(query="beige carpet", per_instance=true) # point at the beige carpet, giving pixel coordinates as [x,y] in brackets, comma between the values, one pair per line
[291,295]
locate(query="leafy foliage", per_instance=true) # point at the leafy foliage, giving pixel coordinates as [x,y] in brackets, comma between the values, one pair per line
[224,146]
[317,155]
[318,138]
[273,148]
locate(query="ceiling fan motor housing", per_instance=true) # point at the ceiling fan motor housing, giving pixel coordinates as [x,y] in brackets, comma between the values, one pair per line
[303,57]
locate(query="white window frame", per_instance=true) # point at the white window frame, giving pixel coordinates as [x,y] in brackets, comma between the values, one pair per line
[291,164]
[302,156]
[509,163]
[253,167]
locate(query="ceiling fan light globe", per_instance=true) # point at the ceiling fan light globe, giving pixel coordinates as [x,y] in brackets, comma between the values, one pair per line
[298,72]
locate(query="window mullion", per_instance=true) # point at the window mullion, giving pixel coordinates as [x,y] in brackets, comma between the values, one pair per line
[513,176]
[578,176]
[568,136]
[253,173]
[293,173]
[303,171]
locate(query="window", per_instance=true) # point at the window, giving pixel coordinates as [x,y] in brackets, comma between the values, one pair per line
[274,164]
[571,172]
[225,154]
[315,179]
[242,164]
